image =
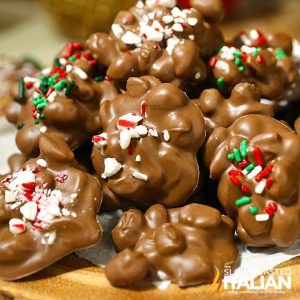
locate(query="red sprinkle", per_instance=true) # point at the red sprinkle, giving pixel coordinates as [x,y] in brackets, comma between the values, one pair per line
[259,177]
[77,55]
[235,173]
[78,46]
[69,50]
[258,156]
[259,58]
[245,189]
[87,55]
[269,183]
[243,164]
[235,180]
[130,149]
[38,90]
[93,62]
[29,85]
[260,41]
[212,62]
[20,226]
[271,208]
[28,195]
[50,90]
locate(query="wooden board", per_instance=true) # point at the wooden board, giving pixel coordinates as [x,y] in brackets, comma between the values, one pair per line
[73,278]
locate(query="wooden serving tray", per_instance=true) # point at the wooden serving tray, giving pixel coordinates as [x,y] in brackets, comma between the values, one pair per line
[73,278]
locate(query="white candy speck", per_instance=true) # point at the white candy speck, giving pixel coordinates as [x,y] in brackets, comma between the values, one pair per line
[151,15]
[42,163]
[153,132]
[254,172]
[46,71]
[80,73]
[111,167]
[192,21]
[125,138]
[260,187]
[177,27]
[66,212]
[62,61]
[167,3]
[191,37]
[43,129]
[171,43]
[131,38]
[141,130]
[117,30]
[223,66]
[53,209]
[29,210]
[254,34]
[74,196]
[262,217]
[10,197]
[152,34]
[167,19]
[176,12]
[51,237]
[52,96]
[138,158]
[139,175]
[197,75]
[166,135]
[16,226]
[30,79]
[246,40]
[69,68]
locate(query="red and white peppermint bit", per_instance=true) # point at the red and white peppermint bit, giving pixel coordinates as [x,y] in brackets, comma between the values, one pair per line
[61,178]
[38,205]
[16,226]
[129,120]
[144,109]
[100,140]
[42,163]
[111,167]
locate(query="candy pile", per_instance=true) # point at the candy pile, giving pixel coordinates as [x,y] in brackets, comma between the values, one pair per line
[158,117]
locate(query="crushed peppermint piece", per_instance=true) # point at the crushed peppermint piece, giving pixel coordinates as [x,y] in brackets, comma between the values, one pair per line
[139,175]
[166,135]
[74,196]
[100,140]
[141,130]
[117,30]
[10,197]
[167,19]
[153,132]
[111,167]
[51,237]
[125,138]
[29,210]
[16,226]
[192,21]
[131,38]
[177,27]
[42,163]
[138,158]
[128,120]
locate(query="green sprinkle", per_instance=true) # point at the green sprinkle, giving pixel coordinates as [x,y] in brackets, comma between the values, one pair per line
[54,77]
[43,88]
[253,210]
[237,53]
[43,78]
[56,62]
[42,117]
[60,85]
[250,167]
[280,53]
[230,156]
[36,122]
[241,68]
[20,125]
[99,78]
[21,90]
[244,144]
[237,155]
[242,201]
[72,58]
[237,61]
[70,88]
[220,83]
[255,53]
[41,106]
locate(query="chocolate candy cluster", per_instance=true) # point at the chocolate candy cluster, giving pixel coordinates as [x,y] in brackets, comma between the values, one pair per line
[158,118]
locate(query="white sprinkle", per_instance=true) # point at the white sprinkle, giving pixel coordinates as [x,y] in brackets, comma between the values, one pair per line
[74,195]
[153,132]
[197,75]
[246,40]
[111,167]
[52,96]
[266,101]
[176,12]
[10,197]
[31,79]
[262,217]
[37,84]
[42,163]
[254,172]
[177,27]
[138,158]
[130,38]
[192,21]
[167,3]
[43,129]
[16,226]
[166,135]
[139,4]
[66,212]
[73,214]
[247,49]
[141,130]
[151,15]
[69,68]
[62,61]
[245,172]
[117,30]
[191,37]
[51,238]
[254,34]
[167,19]
[223,66]
[80,73]
[260,187]
[29,210]
[46,71]
[139,175]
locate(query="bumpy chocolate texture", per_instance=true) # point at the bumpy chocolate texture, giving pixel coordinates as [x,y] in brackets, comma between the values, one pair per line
[185,245]
[221,112]
[146,153]
[64,100]
[252,57]
[160,40]
[47,210]
[257,163]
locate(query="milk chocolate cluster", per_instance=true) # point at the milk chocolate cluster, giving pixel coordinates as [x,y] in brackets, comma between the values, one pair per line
[150,138]
[159,39]
[257,163]
[47,210]
[185,245]
[265,61]
[221,112]
[63,100]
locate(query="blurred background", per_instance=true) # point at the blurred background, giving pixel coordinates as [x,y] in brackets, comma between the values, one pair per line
[38,28]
